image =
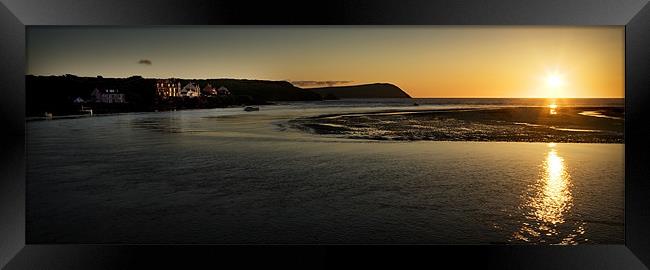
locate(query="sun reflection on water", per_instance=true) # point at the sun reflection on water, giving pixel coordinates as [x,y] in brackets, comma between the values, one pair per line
[548,203]
[555,198]
[552,109]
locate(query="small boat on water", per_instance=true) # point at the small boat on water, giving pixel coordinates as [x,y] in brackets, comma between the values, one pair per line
[48,115]
[87,110]
[251,108]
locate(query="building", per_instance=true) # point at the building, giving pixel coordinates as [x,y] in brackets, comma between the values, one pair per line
[223,91]
[79,100]
[208,90]
[191,90]
[107,96]
[168,88]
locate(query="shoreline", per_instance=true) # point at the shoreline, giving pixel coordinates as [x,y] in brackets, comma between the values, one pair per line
[76,116]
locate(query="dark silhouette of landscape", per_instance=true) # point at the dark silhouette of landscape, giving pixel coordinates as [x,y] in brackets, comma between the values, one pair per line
[375,90]
[65,95]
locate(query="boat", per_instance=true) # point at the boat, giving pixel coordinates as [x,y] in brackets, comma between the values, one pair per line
[87,110]
[251,108]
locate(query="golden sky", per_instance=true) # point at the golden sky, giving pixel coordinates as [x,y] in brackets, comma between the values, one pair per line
[425,61]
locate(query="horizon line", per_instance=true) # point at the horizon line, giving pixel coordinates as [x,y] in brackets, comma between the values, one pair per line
[307,88]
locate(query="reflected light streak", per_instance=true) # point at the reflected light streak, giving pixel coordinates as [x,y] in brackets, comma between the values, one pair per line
[552,108]
[549,202]
[555,198]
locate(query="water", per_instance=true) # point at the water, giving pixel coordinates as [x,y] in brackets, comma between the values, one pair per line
[475,102]
[228,176]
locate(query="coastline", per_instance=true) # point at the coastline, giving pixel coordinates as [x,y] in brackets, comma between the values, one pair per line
[75,116]
[433,122]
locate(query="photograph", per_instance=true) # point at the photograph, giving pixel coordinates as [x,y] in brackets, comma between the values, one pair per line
[469,135]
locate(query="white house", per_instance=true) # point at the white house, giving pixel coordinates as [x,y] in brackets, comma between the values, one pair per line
[191,90]
[107,96]
[79,100]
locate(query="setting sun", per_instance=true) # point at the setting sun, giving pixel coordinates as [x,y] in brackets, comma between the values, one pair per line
[495,134]
[554,84]
[426,62]
[554,80]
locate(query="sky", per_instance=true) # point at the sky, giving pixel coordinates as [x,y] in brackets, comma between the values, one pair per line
[425,61]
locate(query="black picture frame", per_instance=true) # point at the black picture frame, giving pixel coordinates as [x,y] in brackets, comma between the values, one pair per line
[15,15]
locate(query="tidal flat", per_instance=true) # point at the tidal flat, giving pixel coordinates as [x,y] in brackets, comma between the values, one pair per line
[510,124]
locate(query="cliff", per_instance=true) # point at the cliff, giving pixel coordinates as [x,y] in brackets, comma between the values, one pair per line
[375,90]
[264,90]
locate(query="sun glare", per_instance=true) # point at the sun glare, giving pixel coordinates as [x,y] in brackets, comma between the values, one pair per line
[554,80]
[553,84]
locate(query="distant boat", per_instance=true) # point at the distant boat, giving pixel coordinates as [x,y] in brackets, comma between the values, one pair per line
[251,108]
[86,110]
[48,115]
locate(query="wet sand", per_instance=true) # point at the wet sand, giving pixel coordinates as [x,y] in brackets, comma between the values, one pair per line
[510,124]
